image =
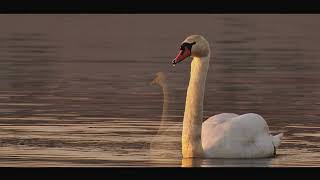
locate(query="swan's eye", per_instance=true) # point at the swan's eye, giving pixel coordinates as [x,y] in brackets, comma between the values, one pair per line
[188,45]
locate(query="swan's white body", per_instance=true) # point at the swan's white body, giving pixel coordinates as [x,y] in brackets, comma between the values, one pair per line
[229,135]
[225,135]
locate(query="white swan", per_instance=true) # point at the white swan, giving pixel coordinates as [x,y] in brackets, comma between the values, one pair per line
[224,135]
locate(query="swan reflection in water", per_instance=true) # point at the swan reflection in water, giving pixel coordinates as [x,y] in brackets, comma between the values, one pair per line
[168,138]
[199,162]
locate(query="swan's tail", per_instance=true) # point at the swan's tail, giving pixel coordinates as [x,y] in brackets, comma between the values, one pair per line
[276,139]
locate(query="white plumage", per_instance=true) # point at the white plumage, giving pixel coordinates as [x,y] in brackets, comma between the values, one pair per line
[225,135]
[229,135]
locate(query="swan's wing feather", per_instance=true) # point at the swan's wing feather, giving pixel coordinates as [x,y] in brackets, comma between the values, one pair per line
[220,118]
[246,135]
[277,139]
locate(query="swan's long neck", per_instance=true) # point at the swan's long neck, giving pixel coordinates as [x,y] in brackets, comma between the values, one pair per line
[193,114]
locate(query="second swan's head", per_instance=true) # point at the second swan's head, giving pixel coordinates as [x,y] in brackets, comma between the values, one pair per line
[194,46]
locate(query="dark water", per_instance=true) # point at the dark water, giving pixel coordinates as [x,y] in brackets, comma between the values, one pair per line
[74,89]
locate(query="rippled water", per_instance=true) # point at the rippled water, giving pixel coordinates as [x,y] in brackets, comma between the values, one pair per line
[75,89]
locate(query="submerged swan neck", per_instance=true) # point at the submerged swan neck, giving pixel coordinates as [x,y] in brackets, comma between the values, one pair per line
[193,114]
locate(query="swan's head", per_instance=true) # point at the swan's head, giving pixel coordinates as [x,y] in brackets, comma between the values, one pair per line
[194,46]
[160,79]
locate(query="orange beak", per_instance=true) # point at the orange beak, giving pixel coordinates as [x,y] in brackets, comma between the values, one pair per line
[183,54]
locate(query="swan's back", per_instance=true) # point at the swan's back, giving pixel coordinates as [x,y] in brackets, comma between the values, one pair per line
[219,118]
[241,136]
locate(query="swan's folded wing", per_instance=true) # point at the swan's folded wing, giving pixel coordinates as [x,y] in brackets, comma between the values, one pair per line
[219,118]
